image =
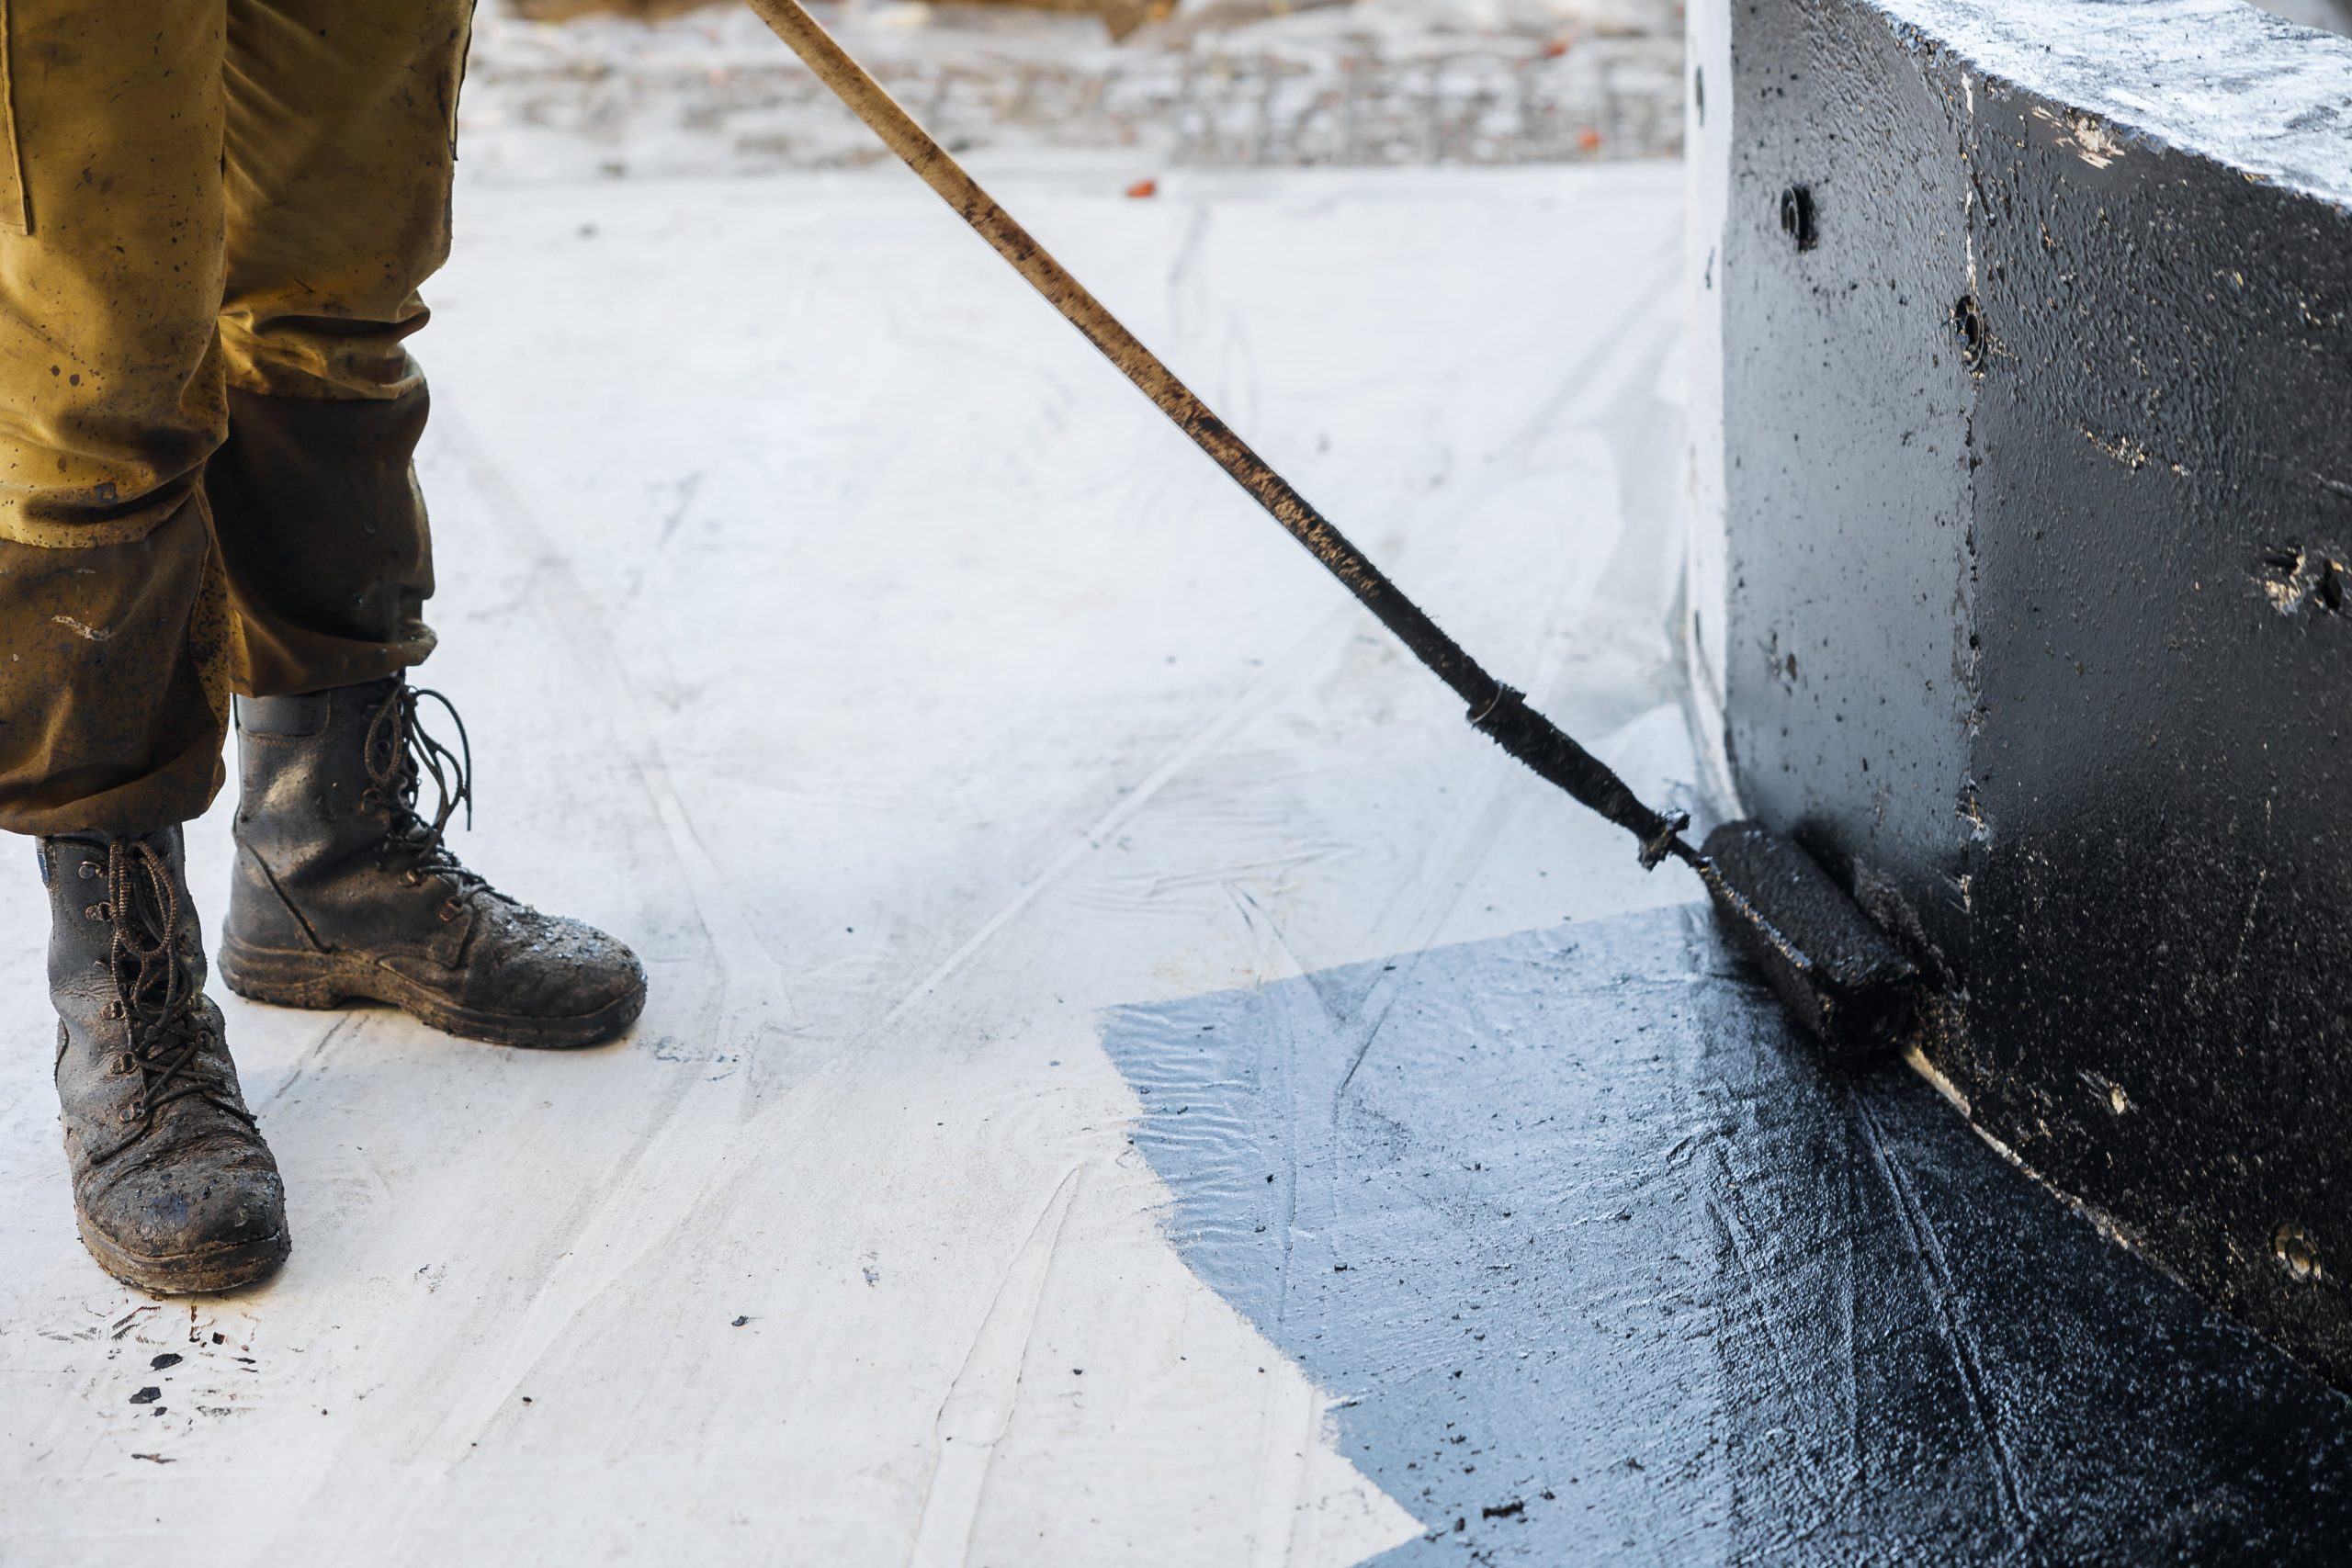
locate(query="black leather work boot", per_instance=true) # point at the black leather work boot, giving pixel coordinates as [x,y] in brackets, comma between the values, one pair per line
[173,1186]
[344,889]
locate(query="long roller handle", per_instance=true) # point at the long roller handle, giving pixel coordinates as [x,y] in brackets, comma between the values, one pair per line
[1495,708]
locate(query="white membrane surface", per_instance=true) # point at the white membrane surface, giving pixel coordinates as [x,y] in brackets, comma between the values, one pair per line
[832,626]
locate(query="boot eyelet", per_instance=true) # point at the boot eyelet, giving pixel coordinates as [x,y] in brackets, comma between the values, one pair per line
[112,1010]
[100,911]
[122,1065]
[132,1114]
[411,878]
[449,909]
[89,870]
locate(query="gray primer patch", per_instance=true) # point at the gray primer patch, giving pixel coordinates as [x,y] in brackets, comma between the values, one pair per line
[1613,1271]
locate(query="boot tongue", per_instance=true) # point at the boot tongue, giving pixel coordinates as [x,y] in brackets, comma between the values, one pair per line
[159,840]
[285,716]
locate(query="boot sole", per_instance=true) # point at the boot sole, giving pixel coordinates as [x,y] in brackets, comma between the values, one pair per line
[197,1273]
[324,980]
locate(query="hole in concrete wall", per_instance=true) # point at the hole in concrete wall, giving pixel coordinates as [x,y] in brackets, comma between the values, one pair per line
[1968,325]
[2296,578]
[2292,1246]
[1797,219]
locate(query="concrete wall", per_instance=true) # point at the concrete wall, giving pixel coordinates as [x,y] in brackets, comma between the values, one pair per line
[1705,618]
[2332,14]
[2036,326]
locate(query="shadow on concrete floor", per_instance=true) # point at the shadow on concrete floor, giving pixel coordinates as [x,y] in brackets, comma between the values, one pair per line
[1611,1270]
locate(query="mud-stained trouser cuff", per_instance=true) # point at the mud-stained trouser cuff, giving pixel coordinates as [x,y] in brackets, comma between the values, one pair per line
[323,538]
[113,680]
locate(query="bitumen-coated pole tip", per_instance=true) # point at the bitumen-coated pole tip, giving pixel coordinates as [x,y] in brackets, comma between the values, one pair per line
[1851,986]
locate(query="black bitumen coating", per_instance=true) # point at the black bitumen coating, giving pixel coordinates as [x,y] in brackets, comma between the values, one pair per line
[2040,526]
[1614,1270]
[1841,976]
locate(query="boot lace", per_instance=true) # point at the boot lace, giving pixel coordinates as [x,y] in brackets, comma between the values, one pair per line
[149,962]
[402,756]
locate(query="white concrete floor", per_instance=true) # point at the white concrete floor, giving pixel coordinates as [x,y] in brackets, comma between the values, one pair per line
[834,628]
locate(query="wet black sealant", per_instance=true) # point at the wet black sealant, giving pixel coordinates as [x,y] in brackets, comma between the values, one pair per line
[1611,1269]
[2040,469]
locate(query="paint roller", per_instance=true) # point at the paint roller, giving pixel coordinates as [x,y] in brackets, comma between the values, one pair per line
[1851,986]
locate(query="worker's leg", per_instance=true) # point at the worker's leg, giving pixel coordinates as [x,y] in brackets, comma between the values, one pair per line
[341,120]
[113,632]
[114,626]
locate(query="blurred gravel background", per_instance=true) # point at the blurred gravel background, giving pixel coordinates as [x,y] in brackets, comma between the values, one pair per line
[1218,84]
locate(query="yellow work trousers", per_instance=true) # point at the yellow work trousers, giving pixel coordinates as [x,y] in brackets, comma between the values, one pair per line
[214,219]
